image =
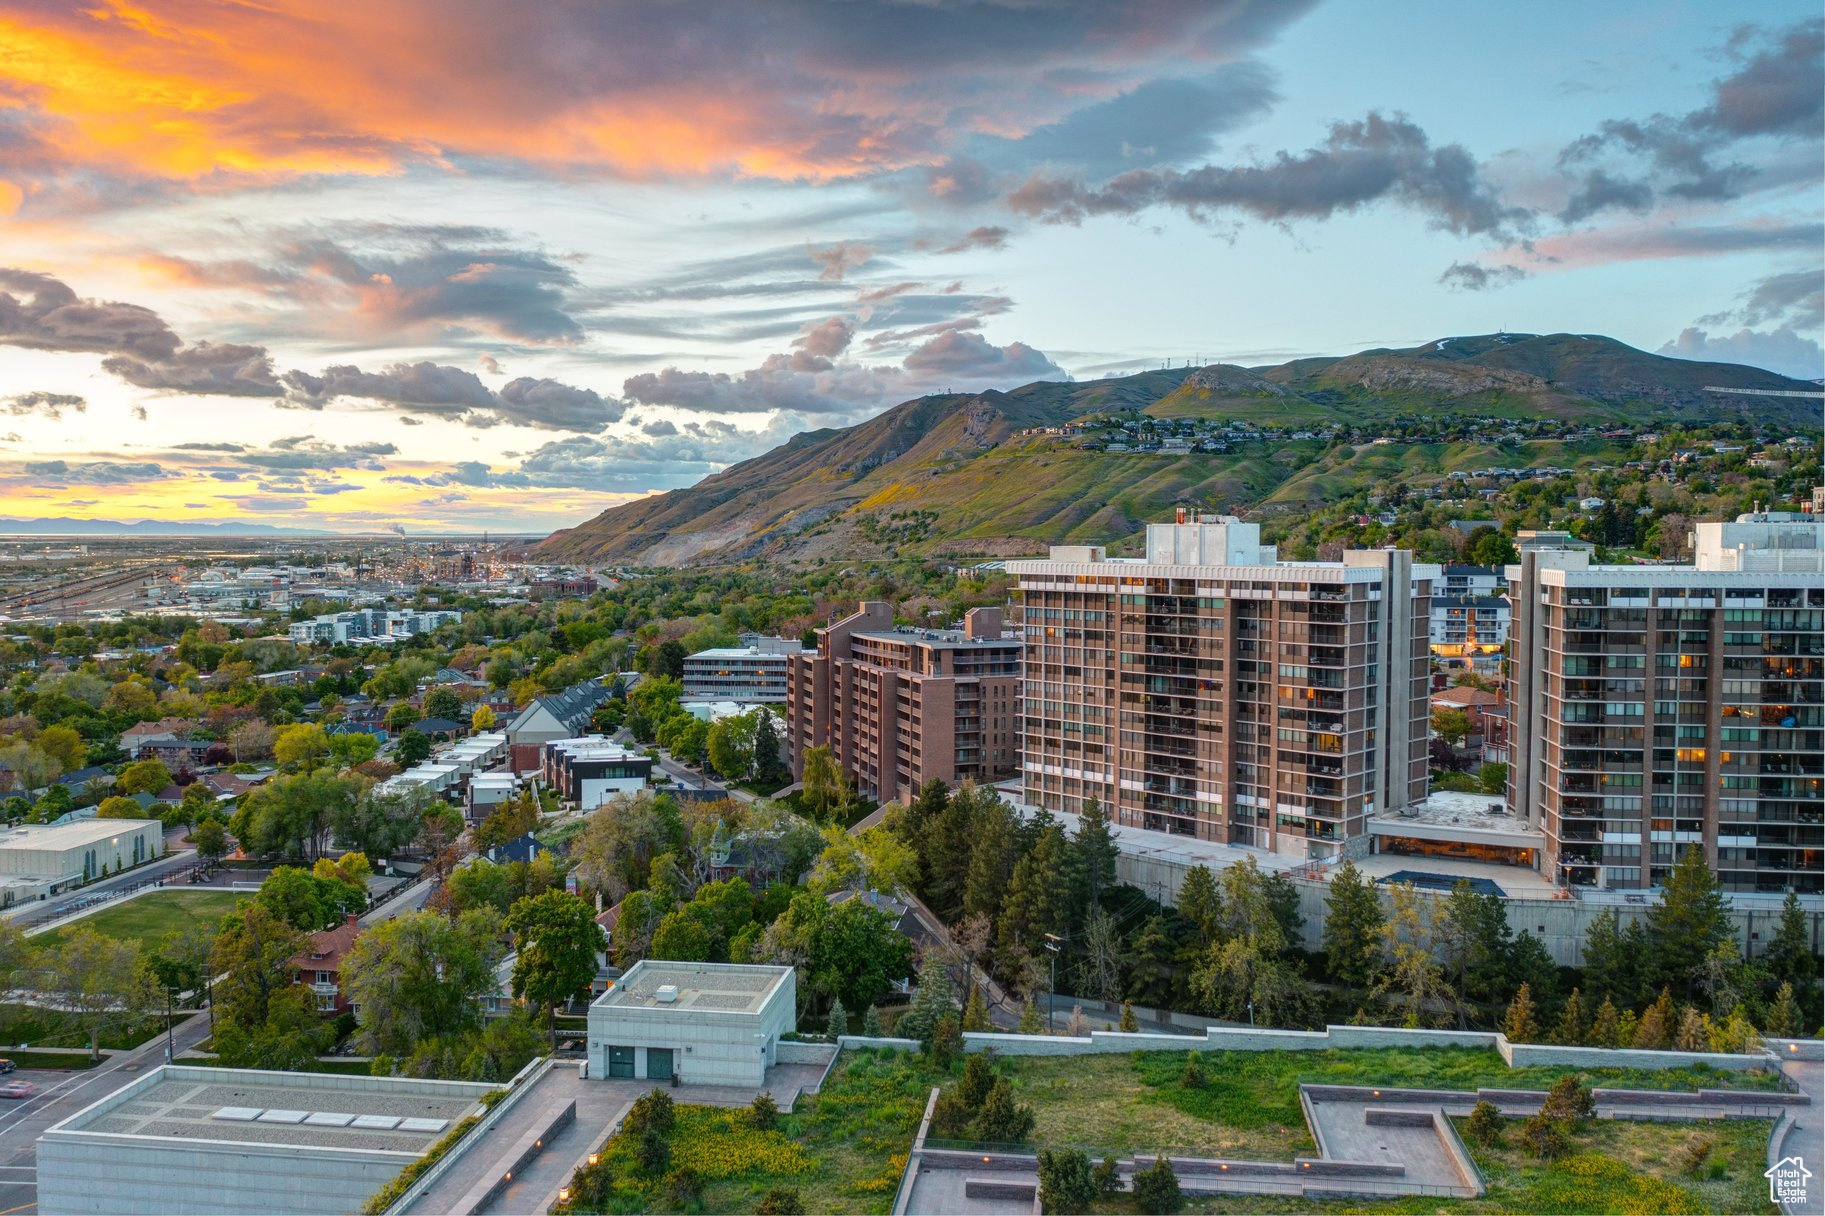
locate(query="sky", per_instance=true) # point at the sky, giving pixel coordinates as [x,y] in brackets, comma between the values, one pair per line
[457,265]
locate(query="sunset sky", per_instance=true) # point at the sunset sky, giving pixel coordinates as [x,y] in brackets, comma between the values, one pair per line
[484,264]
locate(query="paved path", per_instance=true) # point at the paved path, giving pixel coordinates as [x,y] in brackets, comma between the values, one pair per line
[62,1094]
[1806,1138]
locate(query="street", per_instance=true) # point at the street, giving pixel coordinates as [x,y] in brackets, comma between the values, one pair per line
[60,1095]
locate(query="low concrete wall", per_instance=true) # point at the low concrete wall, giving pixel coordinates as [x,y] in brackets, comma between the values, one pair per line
[787,1051]
[1525,1055]
[1245,1038]
[1797,1049]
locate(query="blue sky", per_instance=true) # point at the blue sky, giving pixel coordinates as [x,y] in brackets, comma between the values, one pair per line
[473,265]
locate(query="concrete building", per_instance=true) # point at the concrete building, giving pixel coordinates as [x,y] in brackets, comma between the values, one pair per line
[370,625]
[590,770]
[62,855]
[1656,707]
[902,706]
[563,715]
[754,673]
[229,1140]
[706,1023]
[1211,690]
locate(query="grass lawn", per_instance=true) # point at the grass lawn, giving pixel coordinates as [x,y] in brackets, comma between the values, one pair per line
[1249,1104]
[1613,1167]
[842,1150]
[147,918]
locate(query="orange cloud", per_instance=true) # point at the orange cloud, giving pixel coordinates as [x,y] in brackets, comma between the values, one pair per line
[202,92]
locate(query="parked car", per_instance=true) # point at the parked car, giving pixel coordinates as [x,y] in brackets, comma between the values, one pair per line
[18,1089]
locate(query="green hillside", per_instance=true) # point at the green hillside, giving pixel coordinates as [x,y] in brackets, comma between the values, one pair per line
[968,474]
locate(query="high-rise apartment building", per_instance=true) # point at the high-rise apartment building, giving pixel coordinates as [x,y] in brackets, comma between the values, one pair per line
[901,706]
[1655,707]
[1211,690]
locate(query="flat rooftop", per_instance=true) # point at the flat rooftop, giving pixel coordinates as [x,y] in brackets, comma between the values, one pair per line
[247,1106]
[1451,808]
[701,987]
[71,835]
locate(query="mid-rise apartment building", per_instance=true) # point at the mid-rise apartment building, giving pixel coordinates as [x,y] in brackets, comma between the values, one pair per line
[1656,707]
[1212,690]
[902,706]
[752,673]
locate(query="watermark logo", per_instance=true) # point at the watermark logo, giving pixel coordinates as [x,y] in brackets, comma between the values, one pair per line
[1787,1180]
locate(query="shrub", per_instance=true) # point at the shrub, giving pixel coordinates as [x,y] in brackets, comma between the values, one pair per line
[682,1186]
[780,1201]
[1546,1137]
[1156,1188]
[1066,1184]
[1484,1127]
[1108,1176]
[763,1113]
[1692,1156]
[946,1042]
[1569,1100]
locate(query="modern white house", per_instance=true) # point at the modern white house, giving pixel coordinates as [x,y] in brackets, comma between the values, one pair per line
[702,1023]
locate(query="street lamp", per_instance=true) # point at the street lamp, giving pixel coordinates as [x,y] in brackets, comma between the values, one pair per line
[1052,940]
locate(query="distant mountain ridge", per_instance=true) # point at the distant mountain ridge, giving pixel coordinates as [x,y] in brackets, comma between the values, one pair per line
[65,526]
[954,472]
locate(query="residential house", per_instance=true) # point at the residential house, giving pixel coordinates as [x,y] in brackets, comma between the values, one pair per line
[320,966]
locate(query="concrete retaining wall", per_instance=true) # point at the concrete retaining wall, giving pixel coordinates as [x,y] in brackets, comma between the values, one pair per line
[1523,1055]
[1231,1038]
[787,1051]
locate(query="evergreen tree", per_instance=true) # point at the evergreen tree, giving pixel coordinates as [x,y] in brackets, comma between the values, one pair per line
[1199,903]
[931,1001]
[1687,923]
[1606,1027]
[1655,1030]
[1572,1028]
[1153,978]
[1094,853]
[1352,928]
[1694,1031]
[1037,899]
[1784,1015]
[1521,1023]
[1789,958]
[994,847]
[1612,963]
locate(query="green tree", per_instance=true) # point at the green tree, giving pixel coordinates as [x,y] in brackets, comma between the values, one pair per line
[1067,1182]
[1687,922]
[412,748]
[825,793]
[1451,725]
[1352,928]
[556,939]
[1521,1024]
[1156,1188]
[769,766]
[100,981]
[1199,902]
[1413,982]
[443,702]
[144,777]
[421,976]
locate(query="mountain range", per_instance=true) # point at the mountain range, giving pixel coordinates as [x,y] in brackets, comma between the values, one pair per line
[972,474]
